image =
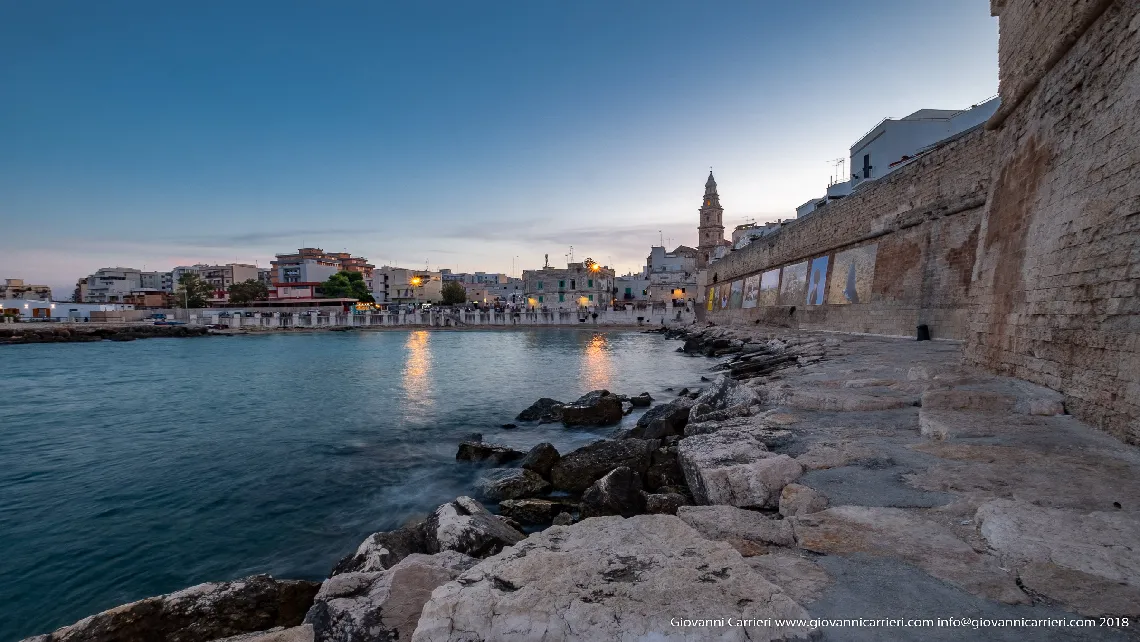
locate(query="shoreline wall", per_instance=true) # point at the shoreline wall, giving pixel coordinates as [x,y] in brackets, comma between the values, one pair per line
[1021,238]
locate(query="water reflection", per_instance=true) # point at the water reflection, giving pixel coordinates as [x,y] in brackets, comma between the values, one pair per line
[597,366]
[417,373]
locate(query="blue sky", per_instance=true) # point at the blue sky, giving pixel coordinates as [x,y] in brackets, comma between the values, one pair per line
[457,133]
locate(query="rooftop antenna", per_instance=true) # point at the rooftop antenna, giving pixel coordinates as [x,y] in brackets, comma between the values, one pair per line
[660,238]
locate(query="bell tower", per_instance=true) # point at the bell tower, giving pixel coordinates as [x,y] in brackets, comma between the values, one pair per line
[710,233]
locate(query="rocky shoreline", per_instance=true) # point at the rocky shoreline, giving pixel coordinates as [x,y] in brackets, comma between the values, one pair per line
[79,333]
[808,465]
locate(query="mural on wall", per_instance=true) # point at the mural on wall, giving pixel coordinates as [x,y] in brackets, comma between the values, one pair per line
[711,299]
[751,291]
[853,275]
[769,288]
[737,295]
[722,296]
[793,287]
[817,281]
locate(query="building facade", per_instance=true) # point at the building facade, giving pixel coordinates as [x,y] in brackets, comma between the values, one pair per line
[110,285]
[17,289]
[580,285]
[393,285]
[672,275]
[710,232]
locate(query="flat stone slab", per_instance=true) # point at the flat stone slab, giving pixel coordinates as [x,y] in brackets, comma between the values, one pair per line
[732,468]
[608,578]
[893,532]
[737,526]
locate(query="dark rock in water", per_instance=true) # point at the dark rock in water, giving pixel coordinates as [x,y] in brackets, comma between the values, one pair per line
[384,550]
[482,451]
[203,612]
[509,522]
[510,483]
[577,470]
[464,525]
[541,459]
[474,436]
[618,493]
[664,503]
[641,401]
[544,411]
[665,469]
[597,408]
[695,393]
[692,345]
[668,390]
[563,519]
[535,511]
[684,391]
[383,605]
[662,420]
[510,426]
[703,378]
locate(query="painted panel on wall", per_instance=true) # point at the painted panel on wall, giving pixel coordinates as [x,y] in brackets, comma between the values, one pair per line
[793,289]
[769,287]
[722,296]
[751,291]
[737,295]
[711,299]
[853,275]
[817,282]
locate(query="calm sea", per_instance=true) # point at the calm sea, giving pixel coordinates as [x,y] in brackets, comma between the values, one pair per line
[135,469]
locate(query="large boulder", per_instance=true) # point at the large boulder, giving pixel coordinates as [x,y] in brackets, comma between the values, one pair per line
[544,411]
[749,532]
[641,401]
[383,550]
[510,483]
[725,398]
[480,451]
[541,459]
[535,511]
[664,469]
[577,470]
[203,612]
[618,493]
[608,578]
[384,605]
[464,525]
[732,468]
[597,408]
[797,499]
[664,503]
[662,420]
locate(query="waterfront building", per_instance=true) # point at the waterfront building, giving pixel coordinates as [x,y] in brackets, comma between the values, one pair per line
[672,275]
[111,284]
[631,287]
[580,285]
[17,289]
[710,232]
[47,309]
[407,286]
[298,274]
[219,277]
[161,281]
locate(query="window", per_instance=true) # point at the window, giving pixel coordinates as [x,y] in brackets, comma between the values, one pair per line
[629,290]
[540,285]
[540,299]
[866,166]
[682,290]
[561,297]
[561,284]
[590,283]
[591,297]
[573,285]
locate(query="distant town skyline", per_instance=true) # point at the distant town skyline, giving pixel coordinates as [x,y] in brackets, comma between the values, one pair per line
[155,135]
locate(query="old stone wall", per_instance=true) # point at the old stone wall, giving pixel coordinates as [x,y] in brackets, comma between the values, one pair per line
[1058,258]
[919,228]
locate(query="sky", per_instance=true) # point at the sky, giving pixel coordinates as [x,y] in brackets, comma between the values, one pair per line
[462,135]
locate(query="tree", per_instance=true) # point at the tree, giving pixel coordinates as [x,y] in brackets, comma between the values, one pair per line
[192,291]
[453,293]
[247,291]
[346,284]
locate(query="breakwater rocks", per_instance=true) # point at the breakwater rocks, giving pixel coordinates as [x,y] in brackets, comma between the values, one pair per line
[847,476]
[29,333]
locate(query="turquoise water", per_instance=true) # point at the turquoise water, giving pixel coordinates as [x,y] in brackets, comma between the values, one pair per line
[139,468]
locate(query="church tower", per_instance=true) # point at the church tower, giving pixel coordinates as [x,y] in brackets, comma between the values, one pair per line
[710,233]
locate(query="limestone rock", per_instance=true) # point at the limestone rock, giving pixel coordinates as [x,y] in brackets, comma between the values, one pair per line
[607,578]
[664,503]
[563,519]
[534,511]
[385,605]
[383,550]
[544,411]
[510,483]
[742,528]
[618,493]
[464,525]
[597,408]
[1099,543]
[1089,595]
[482,451]
[797,499]
[541,459]
[641,401]
[577,470]
[731,468]
[802,579]
[662,420]
[203,612]
[303,633]
[894,532]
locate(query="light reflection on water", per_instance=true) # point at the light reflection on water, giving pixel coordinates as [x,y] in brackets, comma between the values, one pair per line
[131,469]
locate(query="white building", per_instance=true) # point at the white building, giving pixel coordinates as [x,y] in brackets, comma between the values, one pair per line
[406,286]
[163,281]
[34,309]
[672,275]
[893,143]
[577,286]
[17,289]
[632,287]
[110,285]
[745,234]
